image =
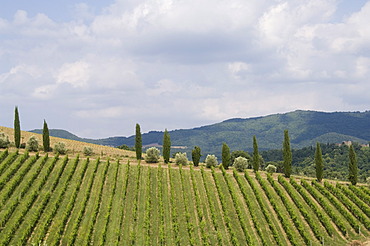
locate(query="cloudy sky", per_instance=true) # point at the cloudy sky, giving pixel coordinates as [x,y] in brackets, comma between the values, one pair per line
[96,68]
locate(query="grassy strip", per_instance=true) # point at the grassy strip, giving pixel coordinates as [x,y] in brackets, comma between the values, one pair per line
[174,215]
[48,218]
[148,208]
[324,219]
[284,221]
[9,159]
[320,197]
[162,234]
[360,193]
[3,155]
[238,208]
[13,184]
[362,205]
[12,169]
[233,238]
[349,204]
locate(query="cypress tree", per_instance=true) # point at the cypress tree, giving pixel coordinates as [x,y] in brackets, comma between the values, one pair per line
[196,154]
[166,146]
[46,137]
[287,155]
[138,143]
[226,157]
[17,129]
[353,170]
[319,163]
[256,155]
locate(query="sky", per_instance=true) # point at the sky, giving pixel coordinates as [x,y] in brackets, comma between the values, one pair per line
[96,68]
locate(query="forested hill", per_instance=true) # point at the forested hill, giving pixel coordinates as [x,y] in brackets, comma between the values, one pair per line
[305,129]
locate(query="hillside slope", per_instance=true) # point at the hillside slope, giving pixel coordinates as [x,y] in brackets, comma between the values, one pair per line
[305,128]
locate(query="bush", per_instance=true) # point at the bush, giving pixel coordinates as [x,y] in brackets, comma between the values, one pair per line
[368,181]
[88,151]
[240,163]
[60,148]
[211,161]
[4,140]
[181,159]
[152,155]
[271,169]
[33,144]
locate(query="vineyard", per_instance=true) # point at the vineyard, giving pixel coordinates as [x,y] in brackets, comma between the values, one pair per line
[54,200]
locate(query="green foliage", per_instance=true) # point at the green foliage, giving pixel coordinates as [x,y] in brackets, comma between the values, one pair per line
[271,168]
[4,140]
[166,146]
[352,166]
[152,155]
[125,147]
[226,158]
[138,143]
[17,129]
[211,161]
[88,151]
[196,154]
[319,163]
[46,137]
[237,153]
[33,144]
[256,156]
[60,148]
[181,159]
[240,163]
[287,155]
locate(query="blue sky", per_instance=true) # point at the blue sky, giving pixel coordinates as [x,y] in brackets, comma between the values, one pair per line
[96,68]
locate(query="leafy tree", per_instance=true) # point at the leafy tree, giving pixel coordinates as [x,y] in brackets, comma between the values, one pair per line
[287,155]
[33,144]
[138,143]
[4,140]
[211,161]
[237,153]
[240,163]
[319,163]
[17,129]
[271,168]
[166,146]
[353,169]
[226,158]
[152,155]
[181,159]
[195,155]
[46,137]
[256,156]
[60,148]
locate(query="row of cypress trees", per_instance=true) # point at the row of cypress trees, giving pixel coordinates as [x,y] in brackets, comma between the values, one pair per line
[17,132]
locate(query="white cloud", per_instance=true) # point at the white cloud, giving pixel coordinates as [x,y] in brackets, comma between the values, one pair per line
[77,74]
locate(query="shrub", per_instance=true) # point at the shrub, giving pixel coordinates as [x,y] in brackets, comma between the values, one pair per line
[271,169]
[60,148]
[152,155]
[240,163]
[181,159]
[33,144]
[4,140]
[211,161]
[88,151]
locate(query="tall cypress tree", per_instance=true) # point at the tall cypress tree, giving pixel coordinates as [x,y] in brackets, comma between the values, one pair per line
[352,166]
[138,143]
[256,155]
[287,155]
[226,157]
[319,163]
[17,129]
[46,137]
[196,154]
[166,146]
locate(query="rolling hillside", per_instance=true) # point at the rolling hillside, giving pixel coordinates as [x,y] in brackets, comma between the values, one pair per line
[48,200]
[305,129]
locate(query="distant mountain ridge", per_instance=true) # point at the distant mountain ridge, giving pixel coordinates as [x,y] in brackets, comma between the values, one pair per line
[305,129]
